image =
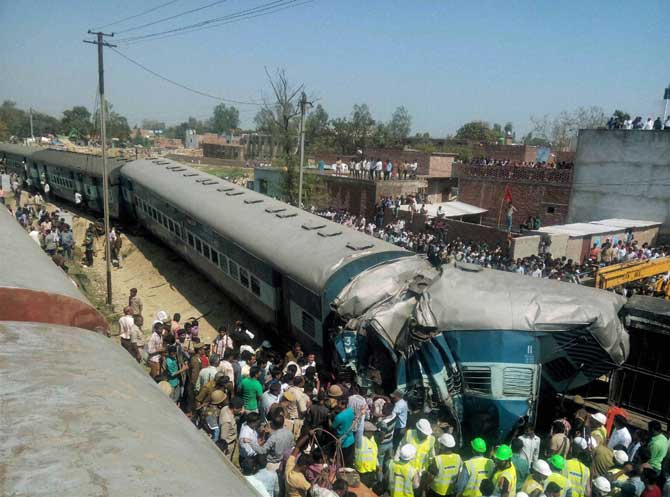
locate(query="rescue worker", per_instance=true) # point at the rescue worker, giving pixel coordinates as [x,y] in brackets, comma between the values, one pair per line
[423,441]
[534,484]
[577,472]
[597,423]
[476,469]
[365,455]
[557,465]
[445,468]
[601,487]
[504,477]
[404,479]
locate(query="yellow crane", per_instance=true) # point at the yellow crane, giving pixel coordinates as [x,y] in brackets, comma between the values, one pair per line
[628,272]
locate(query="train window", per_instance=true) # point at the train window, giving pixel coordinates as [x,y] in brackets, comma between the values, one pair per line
[517,382]
[177,230]
[171,225]
[308,325]
[477,378]
[255,286]
[244,278]
[191,242]
[205,250]
[223,263]
[198,245]
[233,270]
[214,257]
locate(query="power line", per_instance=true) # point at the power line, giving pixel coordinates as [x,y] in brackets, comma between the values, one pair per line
[184,87]
[261,10]
[186,12]
[148,11]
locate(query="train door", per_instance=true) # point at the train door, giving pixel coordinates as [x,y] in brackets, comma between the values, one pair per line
[280,284]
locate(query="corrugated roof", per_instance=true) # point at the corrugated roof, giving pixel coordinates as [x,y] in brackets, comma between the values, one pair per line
[580,229]
[12,148]
[627,223]
[275,232]
[454,208]
[91,164]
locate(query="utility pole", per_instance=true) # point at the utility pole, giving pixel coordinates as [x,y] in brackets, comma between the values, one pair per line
[666,97]
[303,108]
[103,136]
[32,134]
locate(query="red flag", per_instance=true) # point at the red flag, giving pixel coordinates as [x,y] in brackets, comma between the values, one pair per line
[508,194]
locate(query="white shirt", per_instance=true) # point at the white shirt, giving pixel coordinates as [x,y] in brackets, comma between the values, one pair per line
[246,449]
[35,235]
[537,273]
[379,165]
[620,437]
[649,124]
[258,485]
[205,375]
[77,198]
[531,448]
[126,326]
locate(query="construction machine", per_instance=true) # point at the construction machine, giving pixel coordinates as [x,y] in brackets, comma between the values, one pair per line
[629,272]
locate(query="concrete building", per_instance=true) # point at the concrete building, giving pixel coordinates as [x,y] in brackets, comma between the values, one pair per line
[622,173]
[223,151]
[436,164]
[191,139]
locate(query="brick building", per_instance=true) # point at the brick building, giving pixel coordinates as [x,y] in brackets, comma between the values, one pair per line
[223,151]
[515,153]
[436,164]
[535,192]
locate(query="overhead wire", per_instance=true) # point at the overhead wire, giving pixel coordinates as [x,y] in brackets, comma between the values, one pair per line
[169,18]
[258,11]
[182,86]
[148,11]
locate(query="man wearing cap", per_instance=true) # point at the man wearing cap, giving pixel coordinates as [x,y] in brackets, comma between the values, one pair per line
[534,484]
[423,441]
[404,479]
[365,455]
[445,468]
[619,473]
[620,434]
[601,487]
[476,469]
[212,413]
[504,477]
[577,470]
[228,425]
[557,465]
[597,423]
[194,367]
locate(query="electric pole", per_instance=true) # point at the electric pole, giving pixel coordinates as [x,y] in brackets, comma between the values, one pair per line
[103,136]
[303,108]
[32,135]
[666,97]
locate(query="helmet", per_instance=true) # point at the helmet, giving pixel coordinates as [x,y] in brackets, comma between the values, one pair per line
[165,387]
[581,443]
[447,440]
[541,467]
[521,494]
[599,417]
[407,452]
[266,344]
[217,397]
[620,457]
[478,445]
[424,427]
[557,461]
[602,484]
[503,453]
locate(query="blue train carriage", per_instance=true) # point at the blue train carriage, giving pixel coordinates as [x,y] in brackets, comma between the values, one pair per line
[509,337]
[70,172]
[18,159]
[282,264]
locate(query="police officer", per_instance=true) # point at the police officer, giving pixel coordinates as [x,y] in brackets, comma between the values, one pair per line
[557,465]
[534,484]
[504,477]
[445,468]
[365,458]
[404,479]
[477,468]
[211,414]
[423,441]
[578,473]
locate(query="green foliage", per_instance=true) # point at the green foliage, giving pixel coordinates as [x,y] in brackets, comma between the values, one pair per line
[399,126]
[78,118]
[477,131]
[536,141]
[153,124]
[316,126]
[116,124]
[224,119]
[4,131]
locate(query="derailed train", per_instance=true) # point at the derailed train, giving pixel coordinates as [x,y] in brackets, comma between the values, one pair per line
[79,416]
[369,305]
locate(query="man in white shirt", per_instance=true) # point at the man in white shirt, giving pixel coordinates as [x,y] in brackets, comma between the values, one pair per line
[649,124]
[248,435]
[35,235]
[208,373]
[537,272]
[620,434]
[531,444]
[126,323]
[378,169]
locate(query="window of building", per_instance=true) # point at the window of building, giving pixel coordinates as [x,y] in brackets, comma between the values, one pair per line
[223,263]
[551,209]
[170,225]
[205,250]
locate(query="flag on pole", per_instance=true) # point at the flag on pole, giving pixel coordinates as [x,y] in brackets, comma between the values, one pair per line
[508,194]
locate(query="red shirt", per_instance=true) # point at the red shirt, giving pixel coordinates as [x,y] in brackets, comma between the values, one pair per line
[653,491]
[204,360]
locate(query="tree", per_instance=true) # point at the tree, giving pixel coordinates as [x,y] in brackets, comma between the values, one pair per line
[14,118]
[343,135]
[362,125]
[476,131]
[116,125]
[382,137]
[224,119]
[4,131]
[562,129]
[621,116]
[536,141]
[400,126]
[78,118]
[316,125]
[153,125]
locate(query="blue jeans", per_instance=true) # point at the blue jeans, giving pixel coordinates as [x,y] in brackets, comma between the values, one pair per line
[509,223]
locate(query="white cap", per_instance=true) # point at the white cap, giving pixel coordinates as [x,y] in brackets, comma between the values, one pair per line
[599,417]
[542,467]
[407,452]
[620,457]
[581,443]
[266,344]
[602,484]
[447,440]
[162,316]
[424,427]
[521,494]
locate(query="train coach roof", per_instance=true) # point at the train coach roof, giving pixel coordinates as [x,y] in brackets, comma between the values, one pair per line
[87,163]
[304,246]
[14,149]
[90,421]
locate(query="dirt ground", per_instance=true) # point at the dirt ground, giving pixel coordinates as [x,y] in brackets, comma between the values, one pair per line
[164,281]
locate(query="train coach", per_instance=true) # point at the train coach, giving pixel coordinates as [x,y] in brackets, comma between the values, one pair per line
[79,416]
[18,159]
[281,263]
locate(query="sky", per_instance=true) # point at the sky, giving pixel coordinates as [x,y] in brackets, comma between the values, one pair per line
[447,62]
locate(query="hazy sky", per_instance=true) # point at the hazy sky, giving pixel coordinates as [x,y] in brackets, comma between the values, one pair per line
[447,62]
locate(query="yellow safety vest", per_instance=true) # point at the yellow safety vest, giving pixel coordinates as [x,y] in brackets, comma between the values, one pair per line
[600,433]
[423,449]
[560,480]
[479,468]
[510,475]
[401,479]
[531,485]
[578,476]
[365,460]
[448,469]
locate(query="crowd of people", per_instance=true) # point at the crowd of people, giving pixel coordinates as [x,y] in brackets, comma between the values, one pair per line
[488,162]
[373,169]
[618,122]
